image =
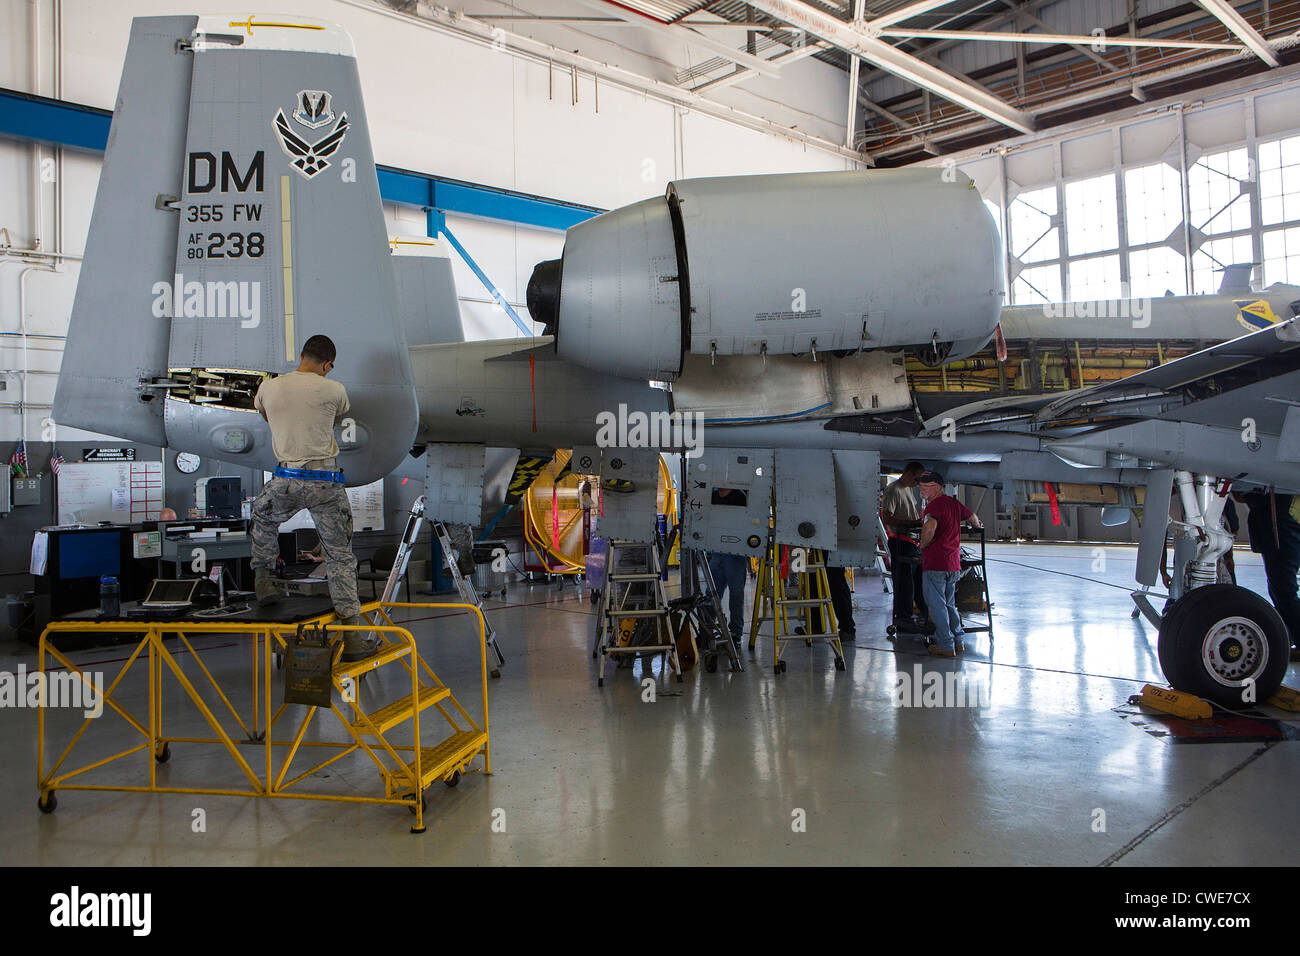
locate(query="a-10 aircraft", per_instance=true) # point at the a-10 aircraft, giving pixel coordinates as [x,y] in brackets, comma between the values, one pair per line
[782,320]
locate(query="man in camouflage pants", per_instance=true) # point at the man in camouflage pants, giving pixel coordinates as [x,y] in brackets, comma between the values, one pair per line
[302,409]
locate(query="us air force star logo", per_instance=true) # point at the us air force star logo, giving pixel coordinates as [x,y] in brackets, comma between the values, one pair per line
[313,112]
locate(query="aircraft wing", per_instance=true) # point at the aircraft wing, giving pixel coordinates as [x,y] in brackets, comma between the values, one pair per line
[1231,410]
[1261,361]
[1269,353]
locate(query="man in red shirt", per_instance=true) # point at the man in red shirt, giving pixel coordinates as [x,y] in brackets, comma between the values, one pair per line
[941,562]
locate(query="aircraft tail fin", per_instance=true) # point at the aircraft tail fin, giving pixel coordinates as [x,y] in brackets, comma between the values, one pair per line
[257,128]
[1236,278]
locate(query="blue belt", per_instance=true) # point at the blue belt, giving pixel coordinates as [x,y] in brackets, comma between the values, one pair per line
[308,474]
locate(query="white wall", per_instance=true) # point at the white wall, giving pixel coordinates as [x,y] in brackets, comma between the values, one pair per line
[435,103]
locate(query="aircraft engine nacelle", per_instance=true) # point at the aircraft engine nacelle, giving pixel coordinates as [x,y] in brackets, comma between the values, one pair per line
[780,265]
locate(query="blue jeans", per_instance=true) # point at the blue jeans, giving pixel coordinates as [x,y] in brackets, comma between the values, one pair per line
[730,571]
[941,600]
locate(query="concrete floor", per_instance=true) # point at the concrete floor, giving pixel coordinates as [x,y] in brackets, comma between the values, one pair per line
[721,768]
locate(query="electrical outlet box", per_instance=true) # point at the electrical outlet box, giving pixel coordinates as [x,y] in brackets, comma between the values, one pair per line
[26,491]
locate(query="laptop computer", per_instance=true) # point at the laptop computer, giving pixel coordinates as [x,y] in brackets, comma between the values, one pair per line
[171,595]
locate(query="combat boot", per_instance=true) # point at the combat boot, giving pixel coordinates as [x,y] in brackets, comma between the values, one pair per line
[264,587]
[357,645]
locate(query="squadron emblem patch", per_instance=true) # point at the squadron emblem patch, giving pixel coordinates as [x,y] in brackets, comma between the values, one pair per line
[314,112]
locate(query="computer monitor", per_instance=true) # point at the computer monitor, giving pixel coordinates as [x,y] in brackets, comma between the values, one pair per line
[90,554]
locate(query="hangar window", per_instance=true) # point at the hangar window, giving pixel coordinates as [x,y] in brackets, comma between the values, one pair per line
[1279,200]
[1153,203]
[1156,271]
[1282,256]
[1034,241]
[1209,261]
[1153,222]
[1279,181]
[1037,285]
[996,212]
[1094,278]
[1218,193]
[1035,226]
[1091,217]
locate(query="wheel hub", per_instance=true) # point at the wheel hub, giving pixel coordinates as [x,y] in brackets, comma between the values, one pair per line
[1235,649]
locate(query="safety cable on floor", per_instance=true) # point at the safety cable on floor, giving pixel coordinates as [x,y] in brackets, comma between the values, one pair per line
[1067,574]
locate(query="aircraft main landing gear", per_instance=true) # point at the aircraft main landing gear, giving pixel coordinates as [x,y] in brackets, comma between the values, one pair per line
[1224,643]
[1217,640]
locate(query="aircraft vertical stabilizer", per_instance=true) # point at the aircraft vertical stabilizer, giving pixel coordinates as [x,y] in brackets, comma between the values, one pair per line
[282,236]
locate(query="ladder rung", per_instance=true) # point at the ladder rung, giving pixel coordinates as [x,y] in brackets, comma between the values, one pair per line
[647,612]
[633,576]
[802,602]
[828,636]
[399,710]
[641,649]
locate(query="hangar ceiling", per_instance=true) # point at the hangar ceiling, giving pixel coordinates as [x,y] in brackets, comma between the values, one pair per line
[928,76]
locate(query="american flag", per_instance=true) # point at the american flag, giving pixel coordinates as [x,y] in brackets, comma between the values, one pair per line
[57,461]
[18,461]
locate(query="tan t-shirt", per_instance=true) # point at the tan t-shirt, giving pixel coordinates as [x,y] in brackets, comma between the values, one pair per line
[302,409]
[903,503]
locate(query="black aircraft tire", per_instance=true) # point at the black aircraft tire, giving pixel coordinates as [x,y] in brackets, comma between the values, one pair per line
[1216,622]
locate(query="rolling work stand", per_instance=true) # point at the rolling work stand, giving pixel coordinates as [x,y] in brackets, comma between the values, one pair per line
[634,608]
[464,585]
[263,744]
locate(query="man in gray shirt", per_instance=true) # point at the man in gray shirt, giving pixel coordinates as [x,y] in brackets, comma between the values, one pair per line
[901,511]
[302,409]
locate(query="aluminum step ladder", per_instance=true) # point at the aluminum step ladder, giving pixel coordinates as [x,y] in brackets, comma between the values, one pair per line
[634,596]
[882,557]
[468,593]
[410,535]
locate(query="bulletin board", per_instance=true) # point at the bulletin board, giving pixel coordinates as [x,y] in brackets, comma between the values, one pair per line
[121,492]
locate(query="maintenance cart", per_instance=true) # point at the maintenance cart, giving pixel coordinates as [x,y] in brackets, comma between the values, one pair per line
[972,592]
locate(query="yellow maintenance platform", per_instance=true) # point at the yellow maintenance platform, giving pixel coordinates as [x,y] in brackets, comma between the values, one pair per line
[405,770]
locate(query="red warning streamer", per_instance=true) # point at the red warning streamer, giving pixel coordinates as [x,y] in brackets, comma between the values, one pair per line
[1051,500]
